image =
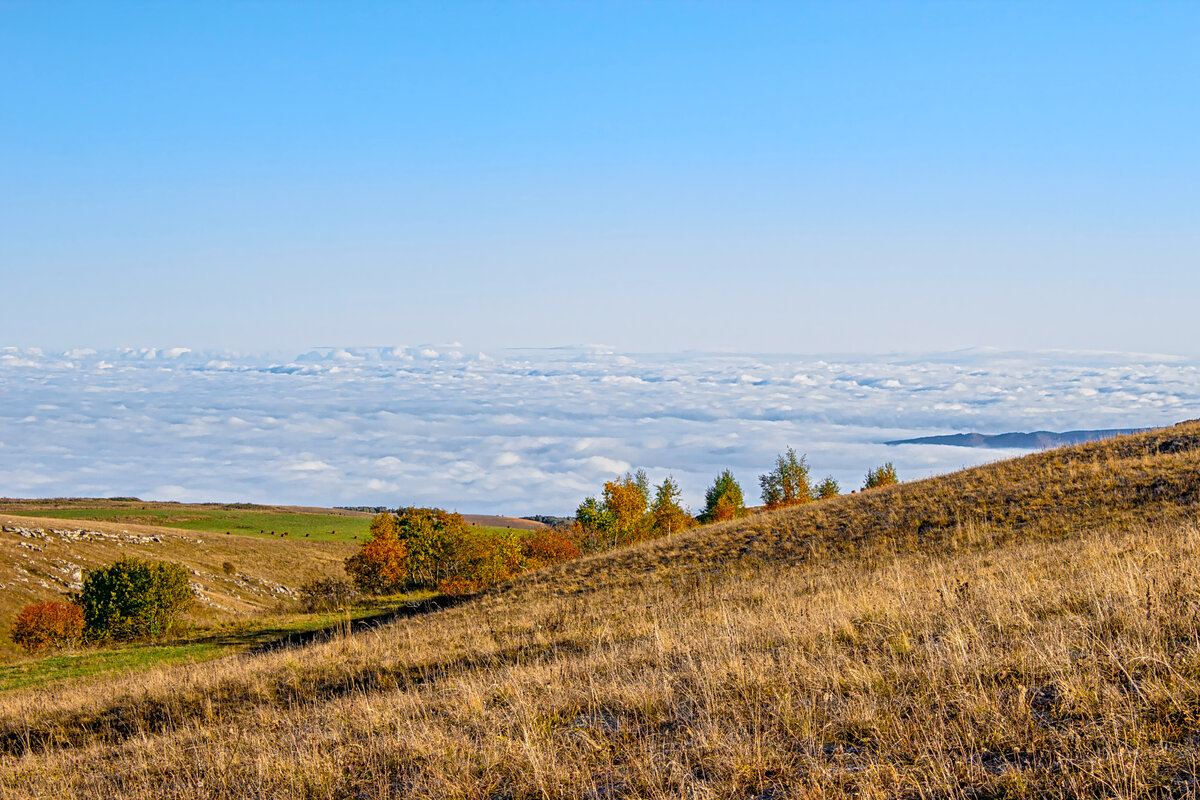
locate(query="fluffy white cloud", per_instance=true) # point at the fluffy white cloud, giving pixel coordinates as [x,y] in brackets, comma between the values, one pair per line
[527,431]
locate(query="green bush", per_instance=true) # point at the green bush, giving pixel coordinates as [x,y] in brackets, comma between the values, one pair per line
[827,488]
[881,476]
[134,598]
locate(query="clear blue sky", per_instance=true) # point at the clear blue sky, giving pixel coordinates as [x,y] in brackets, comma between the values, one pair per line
[795,177]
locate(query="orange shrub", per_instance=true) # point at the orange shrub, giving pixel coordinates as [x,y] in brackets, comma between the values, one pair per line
[457,587]
[44,625]
[547,546]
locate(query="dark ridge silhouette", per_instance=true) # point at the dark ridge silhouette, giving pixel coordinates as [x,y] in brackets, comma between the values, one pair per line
[1037,440]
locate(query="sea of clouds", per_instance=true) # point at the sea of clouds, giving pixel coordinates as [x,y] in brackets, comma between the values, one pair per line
[529,431]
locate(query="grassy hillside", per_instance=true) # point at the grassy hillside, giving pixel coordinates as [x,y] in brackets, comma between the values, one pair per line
[41,558]
[1025,629]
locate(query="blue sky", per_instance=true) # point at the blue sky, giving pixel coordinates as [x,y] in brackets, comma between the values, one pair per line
[766,177]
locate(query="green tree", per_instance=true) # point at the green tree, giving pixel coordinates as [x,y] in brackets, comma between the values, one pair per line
[881,476]
[787,484]
[827,488]
[666,514]
[592,530]
[723,500]
[434,539]
[132,598]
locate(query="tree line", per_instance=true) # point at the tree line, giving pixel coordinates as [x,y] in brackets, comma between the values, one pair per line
[431,549]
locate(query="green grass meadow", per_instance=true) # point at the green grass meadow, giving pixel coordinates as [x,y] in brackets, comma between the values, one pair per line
[242,522]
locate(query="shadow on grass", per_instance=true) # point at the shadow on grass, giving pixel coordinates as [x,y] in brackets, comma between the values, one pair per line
[282,639]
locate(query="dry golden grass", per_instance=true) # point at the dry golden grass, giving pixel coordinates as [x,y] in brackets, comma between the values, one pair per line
[1023,630]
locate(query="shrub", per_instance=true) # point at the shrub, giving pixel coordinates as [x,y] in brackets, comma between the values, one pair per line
[46,625]
[133,598]
[327,594]
[723,500]
[547,546]
[827,488]
[881,476]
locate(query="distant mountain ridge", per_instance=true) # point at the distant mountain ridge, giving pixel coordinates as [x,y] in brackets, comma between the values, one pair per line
[1035,440]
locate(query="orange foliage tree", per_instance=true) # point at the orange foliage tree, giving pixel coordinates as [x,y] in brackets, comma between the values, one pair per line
[381,564]
[45,625]
[619,519]
[628,499]
[481,559]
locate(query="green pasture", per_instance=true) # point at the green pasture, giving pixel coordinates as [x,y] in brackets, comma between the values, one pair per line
[243,522]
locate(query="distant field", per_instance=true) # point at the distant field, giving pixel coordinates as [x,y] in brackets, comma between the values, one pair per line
[243,522]
[322,525]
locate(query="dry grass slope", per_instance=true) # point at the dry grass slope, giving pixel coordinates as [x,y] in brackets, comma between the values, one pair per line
[1026,629]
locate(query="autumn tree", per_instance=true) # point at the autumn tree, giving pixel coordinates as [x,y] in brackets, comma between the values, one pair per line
[619,518]
[723,500]
[381,564]
[787,484]
[481,558]
[827,488]
[881,476]
[666,514]
[433,538]
[628,500]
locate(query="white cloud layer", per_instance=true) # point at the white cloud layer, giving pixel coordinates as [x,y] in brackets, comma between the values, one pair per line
[528,431]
